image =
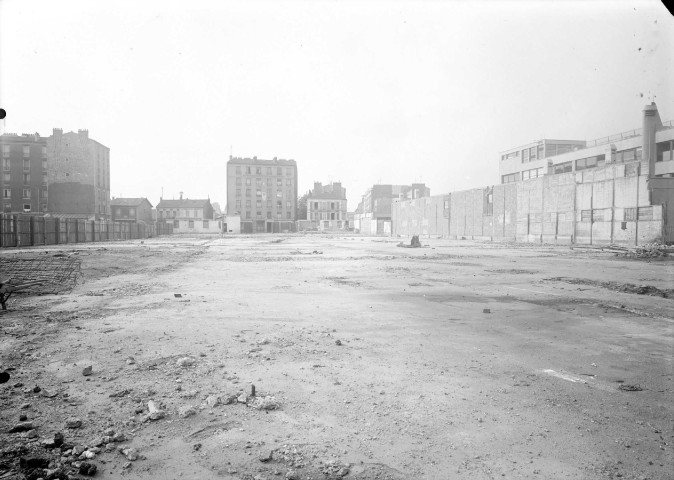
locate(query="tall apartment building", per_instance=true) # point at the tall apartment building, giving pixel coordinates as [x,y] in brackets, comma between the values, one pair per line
[23,180]
[326,206]
[263,193]
[546,157]
[79,175]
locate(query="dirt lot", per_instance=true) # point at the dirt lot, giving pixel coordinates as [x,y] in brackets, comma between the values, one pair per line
[456,360]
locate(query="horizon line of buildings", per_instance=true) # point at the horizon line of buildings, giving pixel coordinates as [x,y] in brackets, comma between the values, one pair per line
[68,174]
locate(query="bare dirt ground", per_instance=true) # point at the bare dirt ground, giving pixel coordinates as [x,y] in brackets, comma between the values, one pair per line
[459,360]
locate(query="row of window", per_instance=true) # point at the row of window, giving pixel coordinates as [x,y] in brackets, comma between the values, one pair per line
[27,193]
[190,224]
[258,193]
[259,183]
[510,178]
[604,214]
[533,173]
[7,178]
[7,165]
[258,214]
[27,208]
[258,204]
[6,149]
[269,170]
[539,152]
[325,205]
[197,213]
[326,216]
[590,162]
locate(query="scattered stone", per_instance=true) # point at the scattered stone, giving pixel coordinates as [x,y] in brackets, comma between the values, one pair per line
[23,418]
[88,469]
[119,394]
[228,399]
[266,403]
[196,447]
[87,371]
[250,390]
[185,362]
[21,427]
[212,400]
[119,437]
[264,341]
[33,461]
[629,388]
[338,342]
[130,361]
[49,393]
[334,468]
[126,466]
[131,454]
[267,456]
[73,422]
[78,450]
[25,406]
[486,310]
[155,413]
[36,389]
[89,454]
[186,411]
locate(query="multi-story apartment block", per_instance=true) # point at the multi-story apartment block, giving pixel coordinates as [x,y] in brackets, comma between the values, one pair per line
[23,176]
[263,193]
[326,206]
[547,157]
[79,175]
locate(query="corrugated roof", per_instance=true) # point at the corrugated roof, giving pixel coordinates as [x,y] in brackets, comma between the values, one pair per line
[128,202]
[183,203]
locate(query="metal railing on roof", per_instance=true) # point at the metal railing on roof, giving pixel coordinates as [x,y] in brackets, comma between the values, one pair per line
[623,135]
[614,138]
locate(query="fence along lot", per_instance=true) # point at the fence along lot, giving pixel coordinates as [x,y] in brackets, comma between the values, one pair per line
[28,230]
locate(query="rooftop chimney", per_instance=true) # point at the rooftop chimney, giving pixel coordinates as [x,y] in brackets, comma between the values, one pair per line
[651,123]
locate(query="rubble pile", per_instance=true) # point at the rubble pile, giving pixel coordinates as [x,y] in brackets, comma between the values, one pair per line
[648,250]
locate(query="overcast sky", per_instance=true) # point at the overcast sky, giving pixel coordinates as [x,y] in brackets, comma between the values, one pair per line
[359,92]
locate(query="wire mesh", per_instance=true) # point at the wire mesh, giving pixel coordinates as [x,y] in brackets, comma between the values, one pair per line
[55,274]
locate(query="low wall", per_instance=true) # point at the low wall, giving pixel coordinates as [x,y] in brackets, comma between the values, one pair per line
[610,205]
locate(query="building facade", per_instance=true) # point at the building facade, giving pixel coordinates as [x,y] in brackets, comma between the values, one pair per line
[373,215]
[548,157]
[263,193]
[78,175]
[625,197]
[326,207]
[188,216]
[131,210]
[24,177]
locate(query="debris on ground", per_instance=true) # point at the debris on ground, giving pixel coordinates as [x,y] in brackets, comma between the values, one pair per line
[629,388]
[414,243]
[618,287]
[266,403]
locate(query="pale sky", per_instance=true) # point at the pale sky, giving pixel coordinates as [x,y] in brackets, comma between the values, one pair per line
[359,92]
